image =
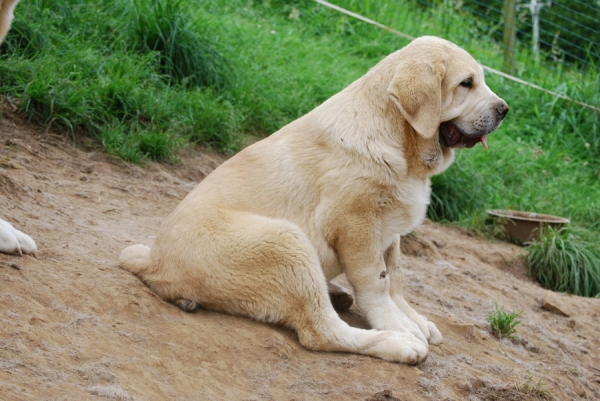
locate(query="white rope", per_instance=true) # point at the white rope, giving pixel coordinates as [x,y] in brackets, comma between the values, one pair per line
[490,69]
[365,19]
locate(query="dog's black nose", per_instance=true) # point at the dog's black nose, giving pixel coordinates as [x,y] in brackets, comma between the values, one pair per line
[502,109]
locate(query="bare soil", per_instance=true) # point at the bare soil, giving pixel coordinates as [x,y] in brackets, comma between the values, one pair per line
[75,326]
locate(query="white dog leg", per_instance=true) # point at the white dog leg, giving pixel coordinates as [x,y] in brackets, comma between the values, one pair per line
[13,241]
[389,345]
[427,327]
[366,271]
[374,300]
[392,259]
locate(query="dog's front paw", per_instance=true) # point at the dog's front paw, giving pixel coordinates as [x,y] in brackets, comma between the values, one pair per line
[428,329]
[401,323]
[13,241]
[435,336]
[410,351]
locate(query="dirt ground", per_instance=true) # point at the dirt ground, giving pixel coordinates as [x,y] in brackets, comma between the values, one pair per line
[74,326]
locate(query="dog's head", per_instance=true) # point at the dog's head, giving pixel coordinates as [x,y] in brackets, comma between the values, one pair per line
[440,90]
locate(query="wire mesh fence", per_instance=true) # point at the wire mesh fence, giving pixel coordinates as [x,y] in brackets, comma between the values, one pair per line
[563,31]
[552,46]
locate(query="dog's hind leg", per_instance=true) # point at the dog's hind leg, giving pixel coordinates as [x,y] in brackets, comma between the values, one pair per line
[304,302]
[392,260]
[267,269]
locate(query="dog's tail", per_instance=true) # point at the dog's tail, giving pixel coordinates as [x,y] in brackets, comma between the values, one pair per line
[136,259]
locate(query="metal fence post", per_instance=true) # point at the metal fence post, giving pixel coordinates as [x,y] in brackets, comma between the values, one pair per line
[510,36]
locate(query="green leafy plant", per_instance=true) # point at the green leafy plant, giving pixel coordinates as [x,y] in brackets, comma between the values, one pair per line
[503,323]
[564,262]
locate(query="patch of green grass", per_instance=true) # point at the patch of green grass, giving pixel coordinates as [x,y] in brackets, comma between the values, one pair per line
[457,194]
[537,390]
[186,55]
[565,262]
[25,40]
[116,139]
[503,323]
[137,146]
[78,67]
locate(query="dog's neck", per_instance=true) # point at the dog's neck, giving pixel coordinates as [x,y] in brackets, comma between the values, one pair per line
[363,120]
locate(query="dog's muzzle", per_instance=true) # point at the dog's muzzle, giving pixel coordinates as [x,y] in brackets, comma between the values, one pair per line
[452,137]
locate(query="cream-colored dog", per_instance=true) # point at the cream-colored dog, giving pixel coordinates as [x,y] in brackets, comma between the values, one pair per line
[329,193]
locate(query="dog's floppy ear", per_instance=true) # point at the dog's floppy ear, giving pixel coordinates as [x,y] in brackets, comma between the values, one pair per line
[417,91]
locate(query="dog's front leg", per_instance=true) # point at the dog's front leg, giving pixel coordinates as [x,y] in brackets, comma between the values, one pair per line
[392,260]
[366,271]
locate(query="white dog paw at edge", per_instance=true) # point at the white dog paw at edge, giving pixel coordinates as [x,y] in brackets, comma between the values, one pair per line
[435,336]
[13,241]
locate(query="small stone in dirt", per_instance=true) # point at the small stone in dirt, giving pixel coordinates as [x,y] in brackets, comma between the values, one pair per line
[519,341]
[383,395]
[13,265]
[87,169]
[439,244]
[552,303]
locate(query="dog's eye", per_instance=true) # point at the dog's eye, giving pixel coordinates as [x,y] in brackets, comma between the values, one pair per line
[467,83]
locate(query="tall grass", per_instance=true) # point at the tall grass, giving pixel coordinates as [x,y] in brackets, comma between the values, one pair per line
[78,66]
[185,54]
[459,197]
[563,262]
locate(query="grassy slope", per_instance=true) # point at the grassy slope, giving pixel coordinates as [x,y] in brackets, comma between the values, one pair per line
[78,65]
